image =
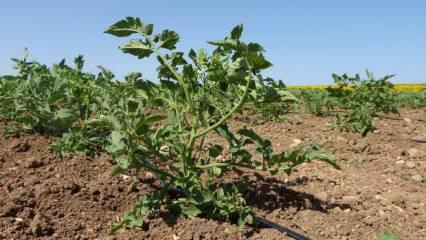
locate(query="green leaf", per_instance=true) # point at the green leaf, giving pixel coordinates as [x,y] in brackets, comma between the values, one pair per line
[227,43]
[169,39]
[126,27]
[200,58]
[149,28]
[388,235]
[132,105]
[147,206]
[116,137]
[192,55]
[137,48]
[123,162]
[154,118]
[141,129]
[191,211]
[215,150]
[258,61]
[245,218]
[323,156]
[217,171]
[254,48]
[177,165]
[220,193]
[25,54]
[64,113]
[213,165]
[117,143]
[236,32]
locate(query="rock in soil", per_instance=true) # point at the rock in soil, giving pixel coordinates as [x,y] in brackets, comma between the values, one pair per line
[420,139]
[350,200]
[417,178]
[410,164]
[40,226]
[323,196]
[10,209]
[412,152]
[19,146]
[33,163]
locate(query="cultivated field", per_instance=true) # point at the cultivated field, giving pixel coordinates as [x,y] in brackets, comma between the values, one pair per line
[210,150]
[378,188]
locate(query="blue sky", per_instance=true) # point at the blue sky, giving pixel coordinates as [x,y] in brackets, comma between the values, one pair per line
[306,41]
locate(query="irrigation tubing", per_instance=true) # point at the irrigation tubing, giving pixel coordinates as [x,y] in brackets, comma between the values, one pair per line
[175,192]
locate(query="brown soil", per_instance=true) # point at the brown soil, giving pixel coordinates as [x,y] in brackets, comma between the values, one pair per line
[381,187]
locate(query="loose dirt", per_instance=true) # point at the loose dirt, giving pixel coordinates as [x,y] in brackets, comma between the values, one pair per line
[382,186]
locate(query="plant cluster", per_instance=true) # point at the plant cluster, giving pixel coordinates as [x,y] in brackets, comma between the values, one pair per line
[50,101]
[200,92]
[363,102]
[317,102]
[64,101]
[415,99]
[272,101]
[355,101]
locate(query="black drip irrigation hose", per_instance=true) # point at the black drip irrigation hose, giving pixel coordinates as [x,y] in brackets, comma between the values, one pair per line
[269,224]
[175,193]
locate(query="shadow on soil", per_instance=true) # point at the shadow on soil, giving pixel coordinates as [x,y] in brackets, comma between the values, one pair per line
[271,194]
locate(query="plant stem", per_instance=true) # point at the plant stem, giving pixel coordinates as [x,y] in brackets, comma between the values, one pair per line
[229,114]
[172,70]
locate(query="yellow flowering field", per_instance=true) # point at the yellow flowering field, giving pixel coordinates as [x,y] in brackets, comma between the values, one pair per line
[409,87]
[398,87]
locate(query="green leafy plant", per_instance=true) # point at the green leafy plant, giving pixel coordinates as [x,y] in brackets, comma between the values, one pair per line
[84,141]
[388,235]
[317,102]
[200,92]
[161,128]
[272,100]
[362,100]
[50,100]
[412,99]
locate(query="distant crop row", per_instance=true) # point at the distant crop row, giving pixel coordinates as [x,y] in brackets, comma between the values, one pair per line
[397,87]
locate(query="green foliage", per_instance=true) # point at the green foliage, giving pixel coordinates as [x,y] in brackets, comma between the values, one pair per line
[84,141]
[50,101]
[362,99]
[146,207]
[223,203]
[160,127]
[200,93]
[295,156]
[412,99]
[317,102]
[358,120]
[272,100]
[388,235]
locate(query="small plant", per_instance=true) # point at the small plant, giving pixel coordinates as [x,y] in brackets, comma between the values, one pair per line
[317,102]
[363,100]
[388,235]
[199,92]
[272,100]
